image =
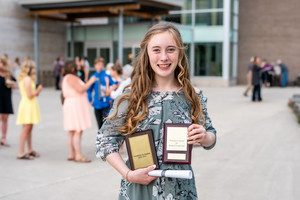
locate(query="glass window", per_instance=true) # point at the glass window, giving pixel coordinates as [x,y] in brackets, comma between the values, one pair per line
[185,18]
[91,56]
[209,19]
[127,56]
[105,53]
[208,4]
[208,59]
[78,49]
[187,5]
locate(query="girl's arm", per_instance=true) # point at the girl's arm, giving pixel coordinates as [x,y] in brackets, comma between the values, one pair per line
[74,83]
[27,85]
[139,176]
[86,76]
[198,134]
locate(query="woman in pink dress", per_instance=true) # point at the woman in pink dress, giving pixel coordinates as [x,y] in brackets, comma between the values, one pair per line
[75,110]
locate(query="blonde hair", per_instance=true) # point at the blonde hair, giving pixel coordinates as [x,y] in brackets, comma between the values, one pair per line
[7,73]
[143,78]
[27,69]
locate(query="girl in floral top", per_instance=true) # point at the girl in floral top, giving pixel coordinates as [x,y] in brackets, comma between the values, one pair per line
[160,92]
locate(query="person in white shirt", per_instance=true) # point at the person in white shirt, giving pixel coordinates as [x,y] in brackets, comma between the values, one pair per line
[127,70]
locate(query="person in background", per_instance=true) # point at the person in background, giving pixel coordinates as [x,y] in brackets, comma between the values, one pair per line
[256,79]
[8,61]
[98,93]
[7,83]
[161,92]
[87,64]
[127,70]
[284,73]
[116,73]
[266,73]
[82,71]
[249,77]
[75,110]
[108,67]
[17,65]
[28,112]
[58,65]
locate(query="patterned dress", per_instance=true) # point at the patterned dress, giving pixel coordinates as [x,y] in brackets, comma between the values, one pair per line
[164,107]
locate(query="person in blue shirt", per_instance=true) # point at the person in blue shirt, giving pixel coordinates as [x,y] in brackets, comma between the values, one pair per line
[98,93]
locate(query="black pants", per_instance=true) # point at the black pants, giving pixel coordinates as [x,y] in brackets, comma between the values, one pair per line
[57,79]
[256,93]
[100,115]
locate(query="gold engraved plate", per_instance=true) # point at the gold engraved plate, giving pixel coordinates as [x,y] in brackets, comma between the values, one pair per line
[141,151]
[176,156]
[177,139]
[175,144]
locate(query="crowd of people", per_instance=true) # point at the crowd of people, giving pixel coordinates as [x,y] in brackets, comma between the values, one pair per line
[78,92]
[262,73]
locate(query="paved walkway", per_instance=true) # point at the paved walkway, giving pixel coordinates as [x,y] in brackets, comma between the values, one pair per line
[257,155]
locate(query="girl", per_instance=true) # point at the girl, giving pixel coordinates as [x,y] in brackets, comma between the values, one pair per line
[160,92]
[29,112]
[7,82]
[75,110]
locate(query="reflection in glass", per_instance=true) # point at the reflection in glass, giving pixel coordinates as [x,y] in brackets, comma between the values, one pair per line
[105,53]
[208,59]
[91,55]
[209,19]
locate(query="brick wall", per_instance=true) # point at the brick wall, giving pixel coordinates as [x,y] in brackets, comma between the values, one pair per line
[17,35]
[269,29]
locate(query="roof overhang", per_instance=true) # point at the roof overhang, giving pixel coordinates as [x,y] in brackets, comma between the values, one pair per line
[71,10]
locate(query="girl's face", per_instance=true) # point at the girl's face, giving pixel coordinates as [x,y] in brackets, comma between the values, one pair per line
[163,55]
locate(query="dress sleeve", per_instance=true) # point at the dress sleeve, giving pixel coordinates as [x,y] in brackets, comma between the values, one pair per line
[109,139]
[208,123]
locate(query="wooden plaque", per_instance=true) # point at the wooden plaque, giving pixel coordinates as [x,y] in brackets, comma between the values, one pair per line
[141,149]
[175,146]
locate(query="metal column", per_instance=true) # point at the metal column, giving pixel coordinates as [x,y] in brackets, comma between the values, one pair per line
[120,45]
[72,41]
[192,46]
[226,41]
[36,44]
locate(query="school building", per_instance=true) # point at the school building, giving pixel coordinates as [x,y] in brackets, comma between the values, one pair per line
[221,35]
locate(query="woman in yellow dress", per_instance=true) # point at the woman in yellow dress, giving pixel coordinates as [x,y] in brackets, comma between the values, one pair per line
[28,112]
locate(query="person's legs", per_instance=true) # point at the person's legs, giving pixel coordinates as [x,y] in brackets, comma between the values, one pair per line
[103,115]
[4,119]
[29,138]
[71,145]
[57,79]
[259,93]
[254,93]
[24,138]
[98,117]
[284,79]
[77,146]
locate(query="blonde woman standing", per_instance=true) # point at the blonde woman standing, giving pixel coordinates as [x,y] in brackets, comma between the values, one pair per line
[28,112]
[6,84]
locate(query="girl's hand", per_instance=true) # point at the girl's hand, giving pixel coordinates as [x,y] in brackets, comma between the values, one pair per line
[39,88]
[196,134]
[93,79]
[141,176]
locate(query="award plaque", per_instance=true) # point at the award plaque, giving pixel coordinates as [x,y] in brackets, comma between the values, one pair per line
[141,150]
[175,144]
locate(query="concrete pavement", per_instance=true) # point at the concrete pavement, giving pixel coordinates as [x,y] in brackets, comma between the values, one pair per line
[257,156]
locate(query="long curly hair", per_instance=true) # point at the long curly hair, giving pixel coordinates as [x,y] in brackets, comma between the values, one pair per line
[143,78]
[27,69]
[5,69]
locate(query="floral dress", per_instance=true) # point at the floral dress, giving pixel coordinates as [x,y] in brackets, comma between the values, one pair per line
[164,107]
